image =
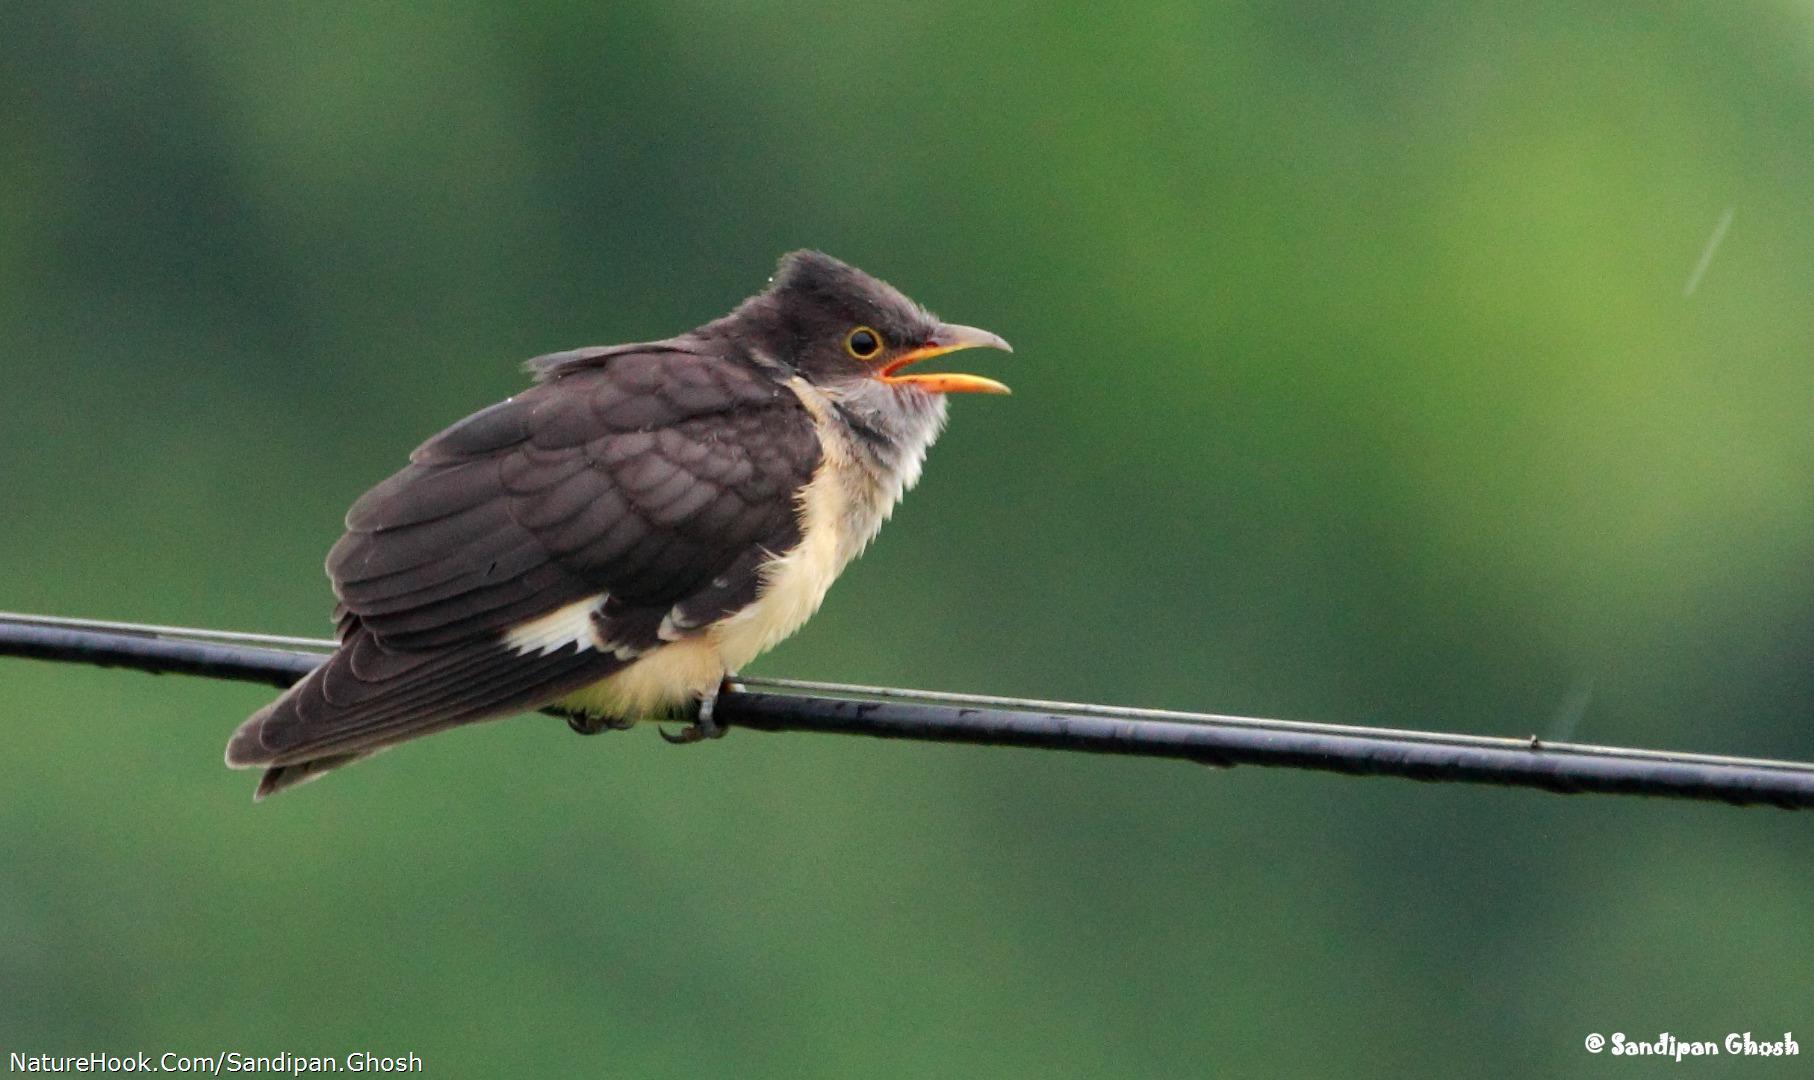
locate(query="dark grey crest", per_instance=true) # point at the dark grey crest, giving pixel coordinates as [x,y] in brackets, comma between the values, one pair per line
[820,287]
[812,303]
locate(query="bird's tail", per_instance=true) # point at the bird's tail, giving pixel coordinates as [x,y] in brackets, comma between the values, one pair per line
[367,697]
[279,777]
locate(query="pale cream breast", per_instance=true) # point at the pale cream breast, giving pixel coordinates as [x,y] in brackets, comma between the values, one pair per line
[794,585]
[841,509]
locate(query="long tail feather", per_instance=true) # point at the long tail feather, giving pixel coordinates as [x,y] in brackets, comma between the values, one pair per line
[367,697]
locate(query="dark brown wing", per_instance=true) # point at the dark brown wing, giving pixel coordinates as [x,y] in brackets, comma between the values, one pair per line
[643,479]
[659,478]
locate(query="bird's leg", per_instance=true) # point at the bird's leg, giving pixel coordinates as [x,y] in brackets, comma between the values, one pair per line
[703,726]
[591,723]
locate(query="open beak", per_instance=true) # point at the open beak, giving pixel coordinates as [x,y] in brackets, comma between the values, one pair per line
[949,337]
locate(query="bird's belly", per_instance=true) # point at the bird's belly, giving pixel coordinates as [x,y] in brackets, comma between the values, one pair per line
[794,585]
[655,685]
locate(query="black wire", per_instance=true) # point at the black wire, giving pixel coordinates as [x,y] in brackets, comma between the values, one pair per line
[157,655]
[1218,740]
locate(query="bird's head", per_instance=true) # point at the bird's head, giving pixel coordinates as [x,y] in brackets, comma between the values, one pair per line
[840,328]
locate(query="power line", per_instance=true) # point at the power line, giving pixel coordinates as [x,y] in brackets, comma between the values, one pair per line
[885,712]
[173,633]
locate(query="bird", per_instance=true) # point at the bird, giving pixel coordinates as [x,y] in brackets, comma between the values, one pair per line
[615,542]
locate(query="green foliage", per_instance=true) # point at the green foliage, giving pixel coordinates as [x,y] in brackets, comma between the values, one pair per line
[1355,381]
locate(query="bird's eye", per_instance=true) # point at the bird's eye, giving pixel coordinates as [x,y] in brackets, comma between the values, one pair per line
[863,343]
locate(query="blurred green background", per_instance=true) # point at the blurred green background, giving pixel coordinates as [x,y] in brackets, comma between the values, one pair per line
[1358,378]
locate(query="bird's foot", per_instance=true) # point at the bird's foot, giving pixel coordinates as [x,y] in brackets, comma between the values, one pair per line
[703,726]
[588,723]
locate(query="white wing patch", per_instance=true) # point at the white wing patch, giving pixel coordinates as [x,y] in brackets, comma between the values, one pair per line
[570,624]
[676,625]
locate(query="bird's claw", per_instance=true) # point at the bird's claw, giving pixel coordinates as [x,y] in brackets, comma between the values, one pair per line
[692,733]
[703,726]
[584,723]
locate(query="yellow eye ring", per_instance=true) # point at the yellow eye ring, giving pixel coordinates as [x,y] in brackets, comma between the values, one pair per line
[863,343]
